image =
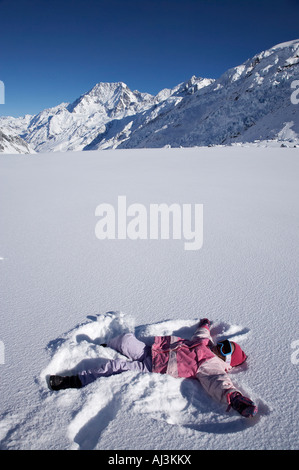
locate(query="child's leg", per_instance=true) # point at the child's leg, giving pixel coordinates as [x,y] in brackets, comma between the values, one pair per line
[112,367]
[128,345]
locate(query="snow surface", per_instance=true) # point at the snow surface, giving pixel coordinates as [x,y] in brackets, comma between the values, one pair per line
[63,292]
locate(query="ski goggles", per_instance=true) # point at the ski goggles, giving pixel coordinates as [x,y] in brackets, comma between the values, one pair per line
[225,349]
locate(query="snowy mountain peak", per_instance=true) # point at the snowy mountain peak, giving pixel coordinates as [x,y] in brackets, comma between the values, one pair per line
[195,84]
[108,97]
[265,63]
[288,44]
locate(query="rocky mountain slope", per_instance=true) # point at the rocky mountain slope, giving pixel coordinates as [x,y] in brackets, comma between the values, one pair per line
[13,144]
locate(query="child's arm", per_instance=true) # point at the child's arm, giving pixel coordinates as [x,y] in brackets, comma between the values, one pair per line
[203,330]
[217,383]
[215,380]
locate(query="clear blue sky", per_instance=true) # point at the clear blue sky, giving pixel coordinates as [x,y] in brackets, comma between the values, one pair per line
[55,50]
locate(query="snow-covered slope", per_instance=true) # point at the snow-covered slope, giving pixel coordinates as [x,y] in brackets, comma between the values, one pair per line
[12,143]
[247,103]
[58,281]
[116,132]
[250,102]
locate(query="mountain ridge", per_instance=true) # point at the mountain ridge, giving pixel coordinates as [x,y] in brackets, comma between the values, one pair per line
[248,103]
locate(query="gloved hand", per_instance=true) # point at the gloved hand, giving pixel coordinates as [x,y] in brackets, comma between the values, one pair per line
[204,322]
[242,405]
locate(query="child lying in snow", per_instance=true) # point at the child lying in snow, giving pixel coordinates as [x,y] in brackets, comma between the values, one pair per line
[197,358]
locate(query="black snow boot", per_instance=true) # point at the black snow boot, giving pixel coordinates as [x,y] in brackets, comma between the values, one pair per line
[57,382]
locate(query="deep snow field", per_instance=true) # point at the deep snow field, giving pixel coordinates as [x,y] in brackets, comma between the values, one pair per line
[64,291]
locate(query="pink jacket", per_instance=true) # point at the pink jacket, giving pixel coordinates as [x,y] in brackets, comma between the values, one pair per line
[193,358]
[180,357]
